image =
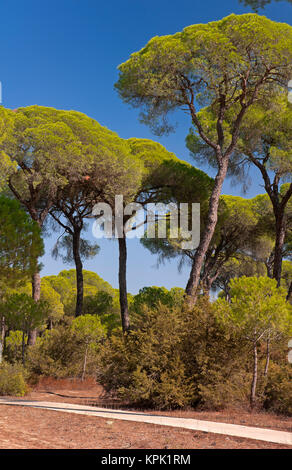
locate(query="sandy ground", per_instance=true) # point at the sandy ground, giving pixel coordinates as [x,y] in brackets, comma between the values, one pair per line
[28,428]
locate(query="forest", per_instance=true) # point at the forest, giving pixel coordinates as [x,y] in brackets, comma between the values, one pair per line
[222,340]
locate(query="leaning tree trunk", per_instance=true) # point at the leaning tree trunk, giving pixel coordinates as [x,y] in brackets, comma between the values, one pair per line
[278,254]
[79,272]
[36,295]
[254,375]
[123,284]
[193,282]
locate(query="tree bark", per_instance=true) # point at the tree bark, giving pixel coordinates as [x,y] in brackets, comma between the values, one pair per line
[280,240]
[36,295]
[193,282]
[269,265]
[79,271]
[254,376]
[84,363]
[267,358]
[123,284]
[23,349]
[2,337]
[289,295]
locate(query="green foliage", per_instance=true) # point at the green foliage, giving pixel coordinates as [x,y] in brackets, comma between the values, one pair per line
[153,297]
[171,178]
[216,357]
[278,390]
[62,286]
[146,369]
[287,273]
[20,243]
[21,312]
[7,167]
[241,265]
[88,329]
[192,66]
[264,139]
[12,380]
[65,285]
[13,346]
[53,301]
[60,352]
[236,237]
[55,354]
[106,306]
[259,312]
[227,65]
[173,358]
[264,207]
[257,307]
[89,332]
[87,145]
[257,4]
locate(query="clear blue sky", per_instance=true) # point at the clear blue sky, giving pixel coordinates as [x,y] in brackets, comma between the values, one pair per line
[65,54]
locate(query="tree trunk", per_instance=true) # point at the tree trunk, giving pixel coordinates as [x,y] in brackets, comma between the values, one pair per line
[227,294]
[84,363]
[267,357]
[193,282]
[23,348]
[289,295]
[79,272]
[123,284]
[2,337]
[36,295]
[280,240]
[206,289]
[254,376]
[269,265]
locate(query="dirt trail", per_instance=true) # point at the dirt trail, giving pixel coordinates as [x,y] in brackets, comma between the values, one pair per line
[226,429]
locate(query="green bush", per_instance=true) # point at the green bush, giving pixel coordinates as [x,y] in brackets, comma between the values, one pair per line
[146,368]
[278,391]
[174,358]
[60,353]
[54,354]
[216,358]
[13,346]
[12,380]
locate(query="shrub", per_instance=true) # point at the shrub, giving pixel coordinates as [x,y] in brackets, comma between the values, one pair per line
[278,391]
[60,353]
[146,367]
[12,380]
[172,358]
[54,354]
[13,346]
[258,311]
[216,358]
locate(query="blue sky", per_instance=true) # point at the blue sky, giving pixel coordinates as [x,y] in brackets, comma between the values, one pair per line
[65,54]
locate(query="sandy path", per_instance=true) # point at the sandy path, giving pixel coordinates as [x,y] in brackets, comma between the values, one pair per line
[267,435]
